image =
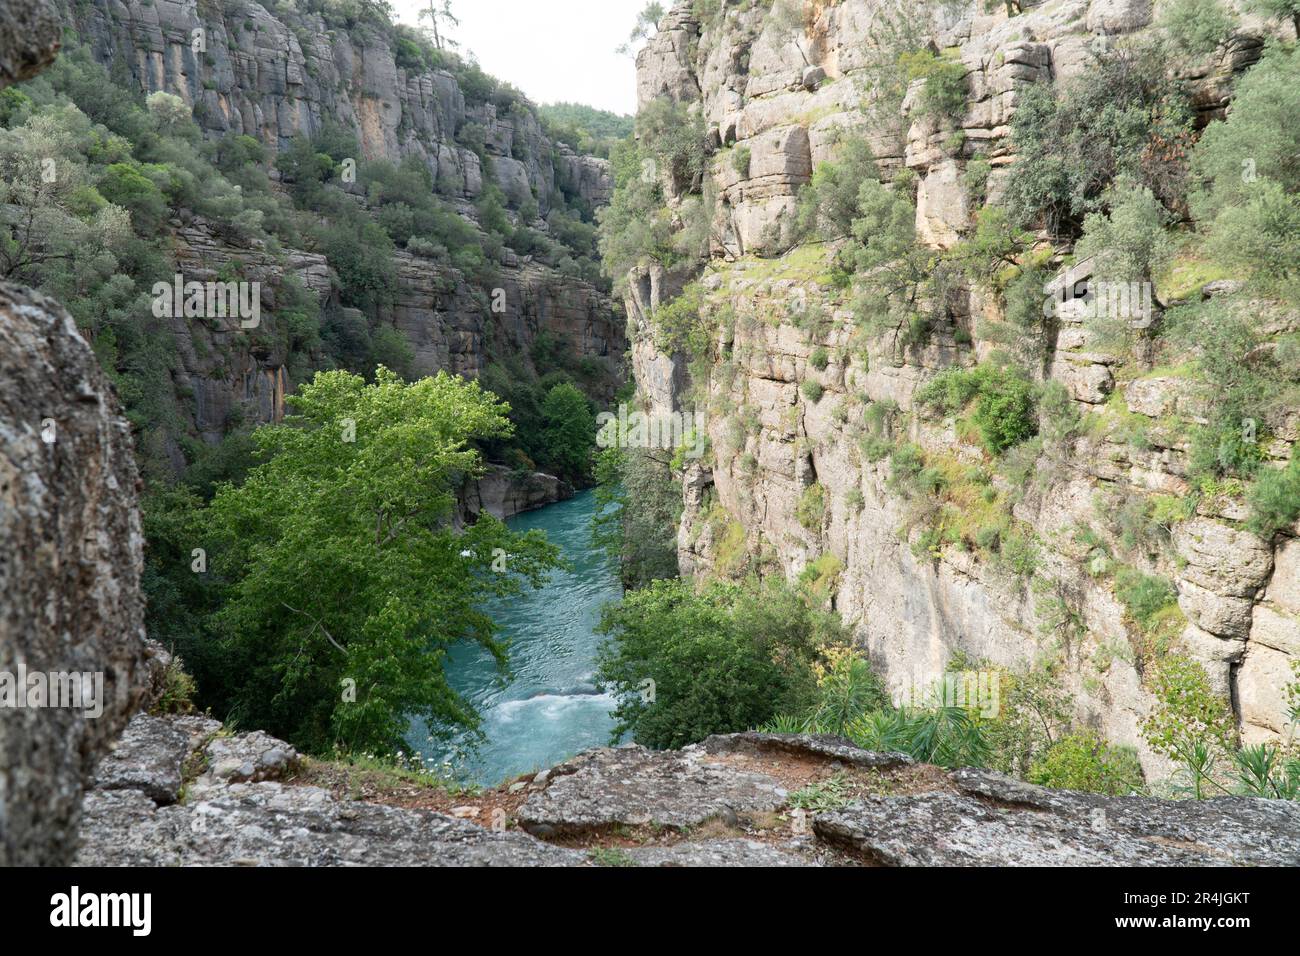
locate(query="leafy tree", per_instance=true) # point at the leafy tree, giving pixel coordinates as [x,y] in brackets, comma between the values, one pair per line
[1120,116]
[640,507]
[569,431]
[1196,27]
[341,565]
[1259,141]
[829,203]
[647,22]
[725,659]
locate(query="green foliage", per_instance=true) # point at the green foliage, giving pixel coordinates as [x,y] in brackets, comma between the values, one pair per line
[822,796]
[1190,724]
[640,507]
[740,160]
[847,688]
[946,87]
[569,431]
[1119,116]
[812,390]
[829,203]
[1083,761]
[339,564]
[811,509]
[1275,500]
[1128,242]
[584,128]
[944,736]
[1004,399]
[1251,175]
[724,659]
[1196,27]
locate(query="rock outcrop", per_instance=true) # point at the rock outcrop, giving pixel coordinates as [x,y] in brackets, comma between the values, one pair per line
[71,555]
[785,94]
[734,800]
[30,40]
[243,70]
[272,76]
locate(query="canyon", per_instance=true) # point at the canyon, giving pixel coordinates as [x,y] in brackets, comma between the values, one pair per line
[167,789]
[787,96]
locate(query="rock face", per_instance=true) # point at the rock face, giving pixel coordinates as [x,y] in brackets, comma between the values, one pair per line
[914,608]
[29,41]
[246,71]
[71,555]
[227,375]
[729,801]
[996,821]
[503,493]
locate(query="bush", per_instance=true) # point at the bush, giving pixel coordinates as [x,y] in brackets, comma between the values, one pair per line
[1275,500]
[740,160]
[946,87]
[1083,761]
[813,390]
[1004,402]
[1122,115]
[811,509]
[829,203]
[728,658]
[1196,27]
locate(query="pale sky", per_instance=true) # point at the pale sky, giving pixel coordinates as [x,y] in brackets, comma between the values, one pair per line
[552,50]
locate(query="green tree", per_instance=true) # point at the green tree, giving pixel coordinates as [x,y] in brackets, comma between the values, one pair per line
[640,507]
[569,431]
[1196,27]
[343,570]
[686,665]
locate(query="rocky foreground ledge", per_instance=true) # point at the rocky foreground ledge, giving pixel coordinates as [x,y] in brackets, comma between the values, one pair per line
[181,791]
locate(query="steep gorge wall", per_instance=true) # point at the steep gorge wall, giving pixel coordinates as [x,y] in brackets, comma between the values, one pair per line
[786,95]
[274,76]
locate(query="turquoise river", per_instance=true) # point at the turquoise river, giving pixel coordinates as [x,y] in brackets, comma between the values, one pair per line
[550,709]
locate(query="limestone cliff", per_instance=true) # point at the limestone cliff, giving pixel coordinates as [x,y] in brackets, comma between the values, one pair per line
[273,76]
[783,94]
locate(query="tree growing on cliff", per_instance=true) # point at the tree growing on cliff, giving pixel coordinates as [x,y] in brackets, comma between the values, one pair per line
[647,23]
[345,583]
[440,17]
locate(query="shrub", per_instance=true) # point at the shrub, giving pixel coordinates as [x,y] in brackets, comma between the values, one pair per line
[740,160]
[1274,500]
[813,390]
[819,359]
[1004,402]
[830,202]
[1122,115]
[1196,27]
[946,87]
[723,659]
[1083,761]
[811,509]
